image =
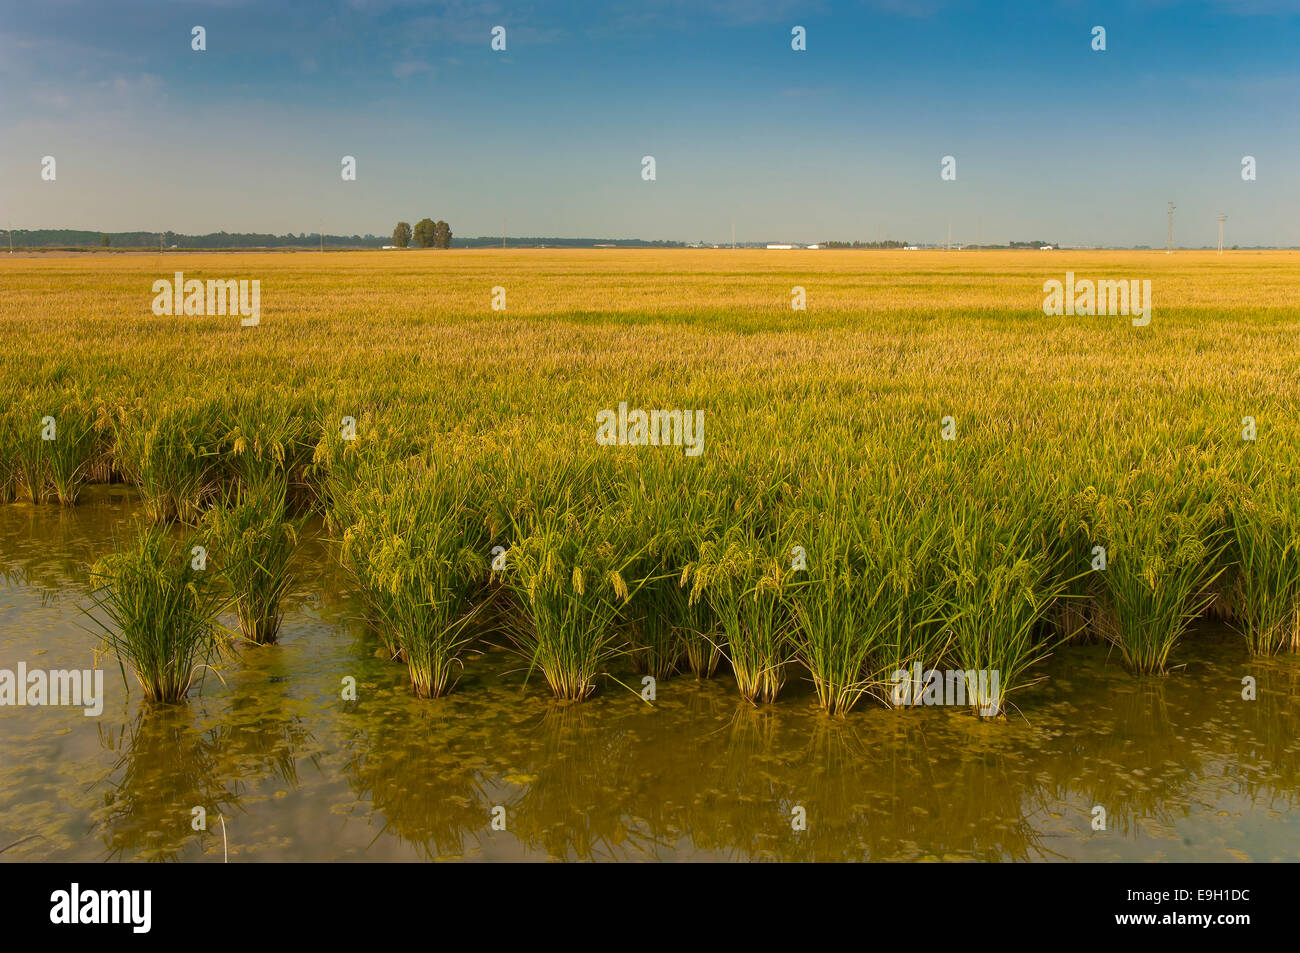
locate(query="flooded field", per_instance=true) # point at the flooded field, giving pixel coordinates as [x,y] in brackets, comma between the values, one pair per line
[1184,768]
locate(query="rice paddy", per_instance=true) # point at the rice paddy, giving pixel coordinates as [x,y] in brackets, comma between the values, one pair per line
[921,467]
[1187,771]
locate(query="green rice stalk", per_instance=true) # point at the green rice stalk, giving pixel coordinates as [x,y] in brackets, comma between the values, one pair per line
[160,612]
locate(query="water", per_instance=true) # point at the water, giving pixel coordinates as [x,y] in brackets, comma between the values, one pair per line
[1183,766]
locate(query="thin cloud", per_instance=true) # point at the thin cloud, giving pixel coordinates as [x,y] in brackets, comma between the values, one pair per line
[408,68]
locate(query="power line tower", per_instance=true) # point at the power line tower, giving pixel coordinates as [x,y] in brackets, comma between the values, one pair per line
[1169,242]
[1221,218]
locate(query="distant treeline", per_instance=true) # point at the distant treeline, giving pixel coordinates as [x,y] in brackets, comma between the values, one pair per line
[64,238]
[78,238]
[890,243]
[489,242]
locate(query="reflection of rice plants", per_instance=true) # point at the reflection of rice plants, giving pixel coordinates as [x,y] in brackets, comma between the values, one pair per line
[166,767]
[427,795]
[264,735]
[161,612]
[559,811]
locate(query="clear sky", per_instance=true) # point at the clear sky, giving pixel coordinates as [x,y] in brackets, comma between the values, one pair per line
[842,141]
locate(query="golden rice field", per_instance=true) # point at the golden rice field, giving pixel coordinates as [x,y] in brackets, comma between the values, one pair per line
[828,530]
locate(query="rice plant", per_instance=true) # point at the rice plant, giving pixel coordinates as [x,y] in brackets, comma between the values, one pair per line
[1266,546]
[1163,555]
[1000,581]
[420,552]
[656,647]
[73,451]
[840,403]
[265,445]
[31,465]
[255,540]
[668,505]
[567,579]
[170,454]
[745,582]
[160,612]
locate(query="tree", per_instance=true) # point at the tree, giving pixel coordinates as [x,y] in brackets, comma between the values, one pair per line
[105,241]
[402,234]
[441,235]
[424,232]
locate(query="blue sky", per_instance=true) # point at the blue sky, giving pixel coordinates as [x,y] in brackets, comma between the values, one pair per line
[843,141]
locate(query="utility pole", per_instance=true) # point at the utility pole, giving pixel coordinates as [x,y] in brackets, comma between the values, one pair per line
[979,233]
[949,246]
[733,234]
[503,232]
[1169,242]
[1221,218]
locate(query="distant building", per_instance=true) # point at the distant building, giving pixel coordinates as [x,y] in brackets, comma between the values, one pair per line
[911,248]
[1045,248]
[814,246]
[780,246]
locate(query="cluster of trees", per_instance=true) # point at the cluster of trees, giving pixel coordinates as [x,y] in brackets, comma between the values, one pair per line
[427,234]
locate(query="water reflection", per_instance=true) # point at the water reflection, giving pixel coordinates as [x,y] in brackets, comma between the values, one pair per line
[405,764]
[172,759]
[164,768]
[1184,767]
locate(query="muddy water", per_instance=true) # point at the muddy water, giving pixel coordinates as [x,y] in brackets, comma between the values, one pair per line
[1185,769]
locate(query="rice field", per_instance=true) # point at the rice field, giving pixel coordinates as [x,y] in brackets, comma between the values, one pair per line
[921,468]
